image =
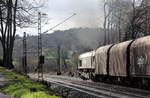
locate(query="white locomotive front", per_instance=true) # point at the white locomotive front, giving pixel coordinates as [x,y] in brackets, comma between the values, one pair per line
[86,64]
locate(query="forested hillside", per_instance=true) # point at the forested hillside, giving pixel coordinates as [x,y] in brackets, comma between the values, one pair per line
[72,42]
[81,40]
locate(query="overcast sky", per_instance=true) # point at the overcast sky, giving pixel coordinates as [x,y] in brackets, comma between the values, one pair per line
[89,14]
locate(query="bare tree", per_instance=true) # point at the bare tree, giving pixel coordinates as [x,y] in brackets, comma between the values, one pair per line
[105,21]
[8,10]
[139,20]
[107,12]
[13,13]
[115,19]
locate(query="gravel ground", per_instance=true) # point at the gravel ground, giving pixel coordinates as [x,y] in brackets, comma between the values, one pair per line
[69,93]
[4,96]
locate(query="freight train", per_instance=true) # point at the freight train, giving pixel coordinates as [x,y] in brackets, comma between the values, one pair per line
[126,63]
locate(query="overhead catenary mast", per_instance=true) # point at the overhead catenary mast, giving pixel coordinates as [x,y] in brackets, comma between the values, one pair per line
[40,62]
[40,56]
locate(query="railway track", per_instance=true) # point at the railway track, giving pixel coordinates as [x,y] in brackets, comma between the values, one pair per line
[100,90]
[115,88]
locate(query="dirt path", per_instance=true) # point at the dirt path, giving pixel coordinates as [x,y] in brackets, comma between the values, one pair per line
[2,83]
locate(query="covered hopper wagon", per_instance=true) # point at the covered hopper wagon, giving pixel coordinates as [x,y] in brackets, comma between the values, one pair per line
[126,63]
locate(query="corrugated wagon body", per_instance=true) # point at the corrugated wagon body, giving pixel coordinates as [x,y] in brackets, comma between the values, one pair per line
[140,57]
[118,59]
[86,60]
[101,60]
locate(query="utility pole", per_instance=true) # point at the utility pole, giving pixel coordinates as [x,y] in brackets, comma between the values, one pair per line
[58,60]
[24,58]
[40,57]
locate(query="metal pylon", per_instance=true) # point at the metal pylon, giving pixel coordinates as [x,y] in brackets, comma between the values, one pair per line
[40,66]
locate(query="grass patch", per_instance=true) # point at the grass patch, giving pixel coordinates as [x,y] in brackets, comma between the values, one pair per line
[37,95]
[50,57]
[20,86]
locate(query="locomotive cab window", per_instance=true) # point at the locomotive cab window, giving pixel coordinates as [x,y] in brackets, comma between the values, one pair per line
[93,58]
[80,62]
